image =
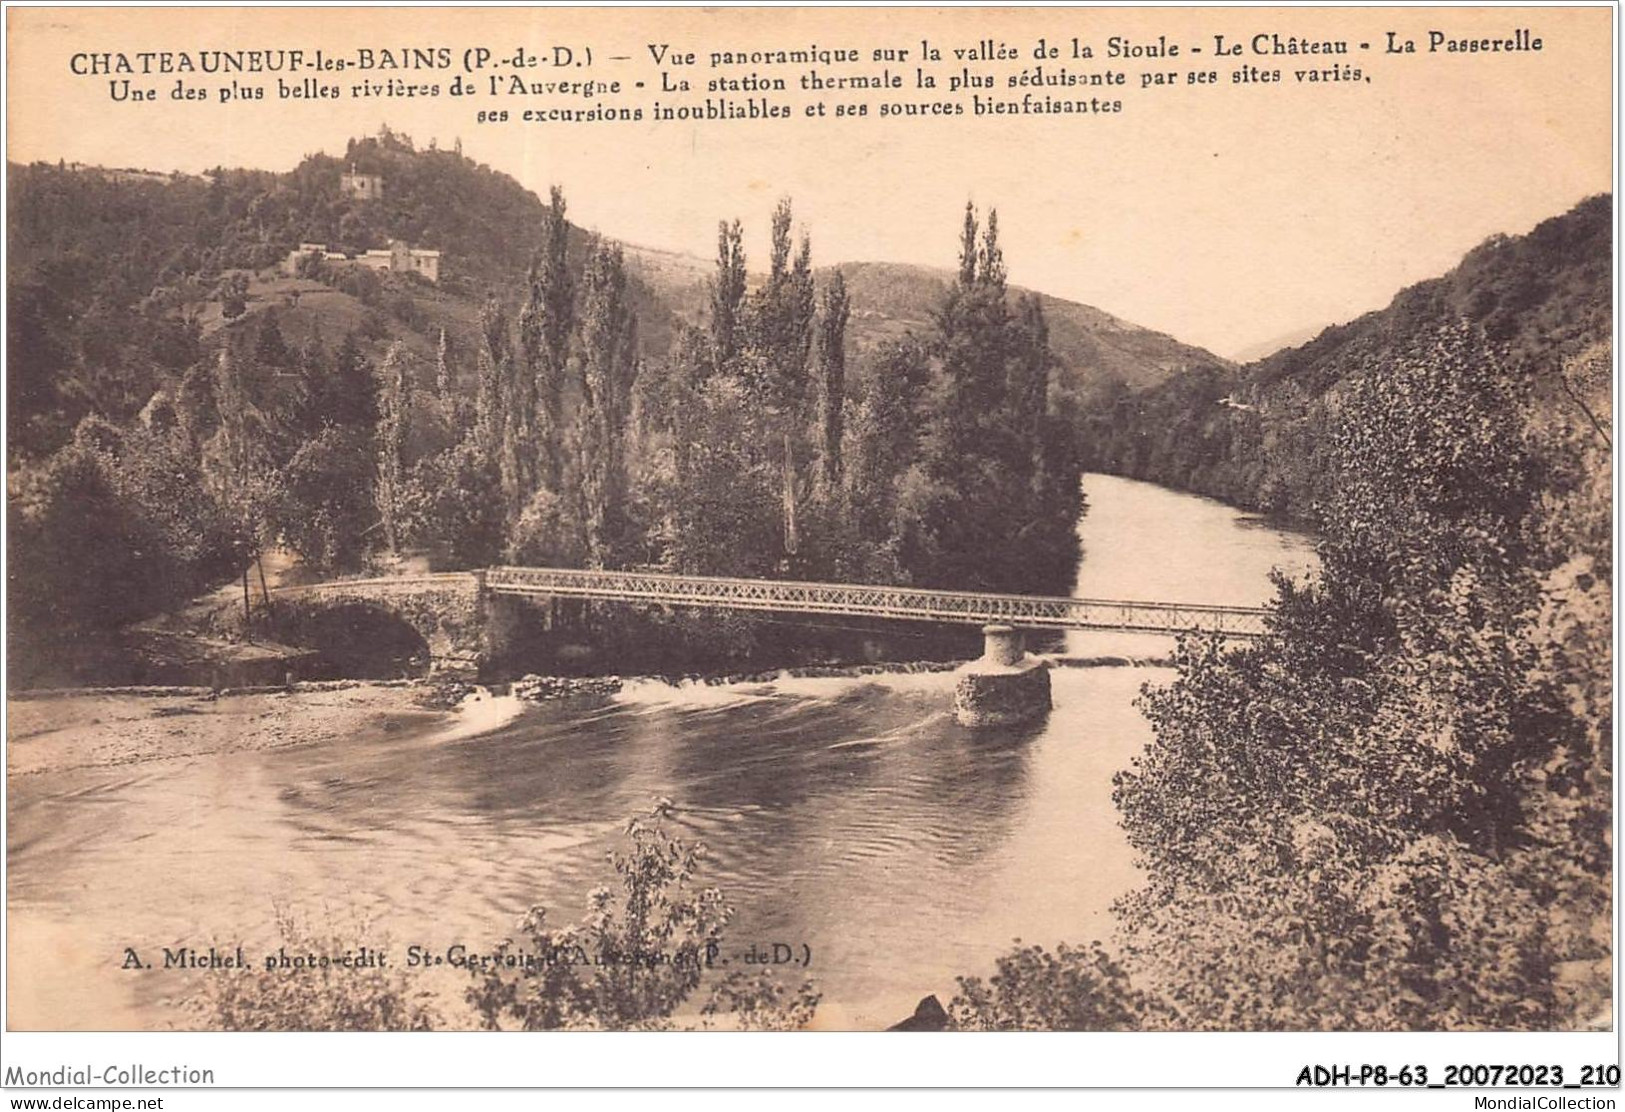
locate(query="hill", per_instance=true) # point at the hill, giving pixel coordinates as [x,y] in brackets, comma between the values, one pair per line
[1252,435]
[892,300]
[1094,346]
[1252,353]
[207,367]
[116,277]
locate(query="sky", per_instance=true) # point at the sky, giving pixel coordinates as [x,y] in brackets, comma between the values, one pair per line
[1228,217]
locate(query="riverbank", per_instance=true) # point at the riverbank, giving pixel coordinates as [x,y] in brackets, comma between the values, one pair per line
[154,657]
[100,729]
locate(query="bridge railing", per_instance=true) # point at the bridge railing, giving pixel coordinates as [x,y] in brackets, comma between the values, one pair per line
[861,600]
[390,584]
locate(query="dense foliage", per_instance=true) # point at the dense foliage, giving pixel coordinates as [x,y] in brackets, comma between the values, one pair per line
[114,524]
[538,430]
[938,463]
[1393,812]
[110,273]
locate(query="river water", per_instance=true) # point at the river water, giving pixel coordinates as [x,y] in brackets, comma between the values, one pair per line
[849,818]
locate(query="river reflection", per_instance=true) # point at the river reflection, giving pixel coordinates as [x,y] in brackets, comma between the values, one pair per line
[850,815]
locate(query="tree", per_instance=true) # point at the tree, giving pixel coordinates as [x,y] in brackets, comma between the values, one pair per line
[608,370]
[535,408]
[394,400]
[243,432]
[233,295]
[780,325]
[328,505]
[727,499]
[452,502]
[270,349]
[832,375]
[42,402]
[727,292]
[239,463]
[1344,824]
[885,435]
[442,375]
[342,394]
[736,413]
[771,352]
[967,247]
[113,527]
[993,502]
[1390,812]
[494,366]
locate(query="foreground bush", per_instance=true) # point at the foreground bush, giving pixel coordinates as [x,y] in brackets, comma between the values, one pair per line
[323,999]
[638,959]
[1073,989]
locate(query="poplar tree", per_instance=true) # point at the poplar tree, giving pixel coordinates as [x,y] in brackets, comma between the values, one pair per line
[967,248]
[534,418]
[608,369]
[442,374]
[495,431]
[393,400]
[241,435]
[776,366]
[728,292]
[996,501]
[832,375]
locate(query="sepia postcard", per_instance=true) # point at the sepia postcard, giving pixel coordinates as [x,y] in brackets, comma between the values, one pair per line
[811,519]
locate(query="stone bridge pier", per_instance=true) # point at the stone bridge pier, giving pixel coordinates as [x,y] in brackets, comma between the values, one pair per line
[1005,685]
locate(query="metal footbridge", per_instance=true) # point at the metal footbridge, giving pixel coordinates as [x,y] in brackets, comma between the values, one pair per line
[867,600]
[797,597]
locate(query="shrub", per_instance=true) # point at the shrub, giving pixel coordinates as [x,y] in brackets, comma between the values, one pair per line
[113,527]
[635,961]
[233,295]
[330,998]
[1074,989]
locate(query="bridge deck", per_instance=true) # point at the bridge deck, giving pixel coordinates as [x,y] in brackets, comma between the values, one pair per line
[862,600]
[850,599]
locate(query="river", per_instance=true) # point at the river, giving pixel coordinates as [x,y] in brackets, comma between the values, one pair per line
[852,817]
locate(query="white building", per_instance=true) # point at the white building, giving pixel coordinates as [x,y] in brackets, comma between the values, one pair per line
[397,258]
[362,187]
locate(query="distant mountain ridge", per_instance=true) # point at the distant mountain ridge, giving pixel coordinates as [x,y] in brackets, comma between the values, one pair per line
[892,300]
[1253,435]
[1263,349]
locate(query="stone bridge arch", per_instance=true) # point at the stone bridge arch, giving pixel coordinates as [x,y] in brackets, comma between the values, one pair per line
[447,612]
